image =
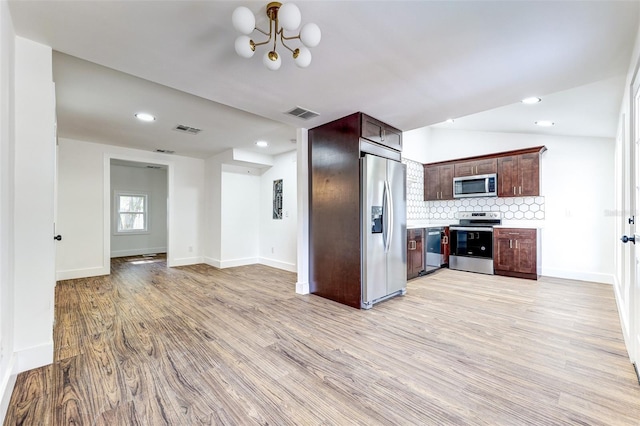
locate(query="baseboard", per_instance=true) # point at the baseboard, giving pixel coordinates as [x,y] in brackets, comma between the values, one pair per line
[212,262]
[34,357]
[184,261]
[71,274]
[138,252]
[285,266]
[595,277]
[7,384]
[238,262]
[302,287]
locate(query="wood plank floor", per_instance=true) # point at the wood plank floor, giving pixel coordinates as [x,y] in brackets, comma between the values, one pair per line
[150,345]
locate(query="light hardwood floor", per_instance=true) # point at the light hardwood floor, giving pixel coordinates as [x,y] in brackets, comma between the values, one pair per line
[150,345]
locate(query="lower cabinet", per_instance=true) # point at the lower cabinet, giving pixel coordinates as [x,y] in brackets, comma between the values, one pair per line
[515,252]
[415,252]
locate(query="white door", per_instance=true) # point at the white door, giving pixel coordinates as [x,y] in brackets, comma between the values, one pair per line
[633,289]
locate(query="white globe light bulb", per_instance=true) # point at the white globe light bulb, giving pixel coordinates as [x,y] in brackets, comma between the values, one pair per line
[303,59]
[243,20]
[272,60]
[289,16]
[310,35]
[243,46]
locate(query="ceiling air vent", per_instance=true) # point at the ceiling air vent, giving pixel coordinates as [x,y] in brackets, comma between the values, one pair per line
[187,129]
[165,151]
[303,113]
[154,167]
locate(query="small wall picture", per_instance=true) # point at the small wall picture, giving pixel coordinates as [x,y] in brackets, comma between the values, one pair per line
[277,199]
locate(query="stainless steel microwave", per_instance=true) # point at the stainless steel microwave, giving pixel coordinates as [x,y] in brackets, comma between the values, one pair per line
[475,186]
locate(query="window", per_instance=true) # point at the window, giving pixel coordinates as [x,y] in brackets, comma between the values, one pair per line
[131,213]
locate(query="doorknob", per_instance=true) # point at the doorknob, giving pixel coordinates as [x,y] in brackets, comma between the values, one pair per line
[626,239]
[59,237]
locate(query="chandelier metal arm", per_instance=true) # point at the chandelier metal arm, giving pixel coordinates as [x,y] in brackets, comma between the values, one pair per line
[283,38]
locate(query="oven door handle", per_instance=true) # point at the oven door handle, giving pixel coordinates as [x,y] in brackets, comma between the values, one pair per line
[471,228]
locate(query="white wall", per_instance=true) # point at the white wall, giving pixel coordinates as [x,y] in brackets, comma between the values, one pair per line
[7,146]
[239,228]
[278,237]
[34,205]
[153,183]
[577,182]
[84,198]
[240,218]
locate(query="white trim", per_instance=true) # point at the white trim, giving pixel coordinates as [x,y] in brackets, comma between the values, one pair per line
[212,262]
[238,262]
[302,161]
[184,261]
[33,357]
[72,274]
[623,315]
[137,252]
[595,277]
[285,266]
[6,388]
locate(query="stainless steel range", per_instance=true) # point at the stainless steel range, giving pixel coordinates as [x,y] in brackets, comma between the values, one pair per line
[471,241]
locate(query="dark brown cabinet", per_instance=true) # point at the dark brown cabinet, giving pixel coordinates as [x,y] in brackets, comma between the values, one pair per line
[379,132]
[515,252]
[519,175]
[477,167]
[335,261]
[415,252]
[438,182]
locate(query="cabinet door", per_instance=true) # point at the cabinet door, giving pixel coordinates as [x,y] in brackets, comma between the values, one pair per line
[508,176]
[466,168]
[431,183]
[476,167]
[503,253]
[381,133]
[526,251]
[529,174]
[415,254]
[446,182]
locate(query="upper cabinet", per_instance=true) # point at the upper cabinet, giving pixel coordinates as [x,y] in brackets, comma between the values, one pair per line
[379,132]
[476,167]
[519,175]
[438,182]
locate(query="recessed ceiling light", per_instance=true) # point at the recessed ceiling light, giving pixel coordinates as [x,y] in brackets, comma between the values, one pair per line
[531,100]
[545,123]
[262,144]
[449,120]
[143,116]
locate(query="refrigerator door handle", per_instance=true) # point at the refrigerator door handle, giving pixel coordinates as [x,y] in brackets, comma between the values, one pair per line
[388,200]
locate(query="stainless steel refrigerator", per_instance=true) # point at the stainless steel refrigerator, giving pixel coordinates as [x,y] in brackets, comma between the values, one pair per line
[384,229]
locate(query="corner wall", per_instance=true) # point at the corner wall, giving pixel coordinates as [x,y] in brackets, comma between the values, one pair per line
[7,146]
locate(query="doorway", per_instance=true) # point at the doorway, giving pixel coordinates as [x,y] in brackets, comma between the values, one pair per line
[138,214]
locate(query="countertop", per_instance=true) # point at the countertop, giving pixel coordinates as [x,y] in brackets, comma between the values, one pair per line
[532,224]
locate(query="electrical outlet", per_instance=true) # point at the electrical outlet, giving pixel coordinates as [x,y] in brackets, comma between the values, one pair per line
[190,249]
[272,250]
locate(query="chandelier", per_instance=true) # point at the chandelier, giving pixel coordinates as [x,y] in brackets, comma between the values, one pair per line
[281,17]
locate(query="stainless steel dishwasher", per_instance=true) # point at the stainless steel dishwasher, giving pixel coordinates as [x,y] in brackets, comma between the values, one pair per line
[434,257]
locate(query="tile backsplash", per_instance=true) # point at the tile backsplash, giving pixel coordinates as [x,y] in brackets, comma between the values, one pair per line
[516,208]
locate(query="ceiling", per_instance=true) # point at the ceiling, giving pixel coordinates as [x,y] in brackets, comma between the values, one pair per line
[409,63]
